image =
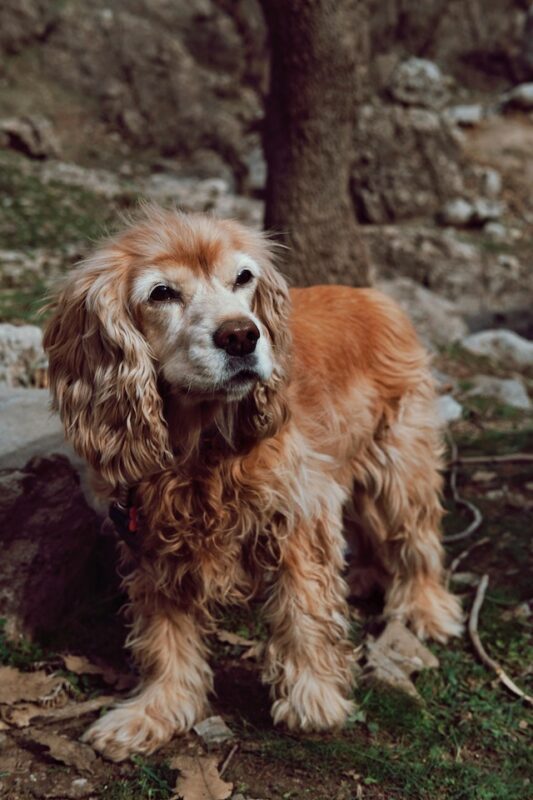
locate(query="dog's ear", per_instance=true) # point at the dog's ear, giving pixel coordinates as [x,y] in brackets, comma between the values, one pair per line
[102,377]
[272,306]
[270,408]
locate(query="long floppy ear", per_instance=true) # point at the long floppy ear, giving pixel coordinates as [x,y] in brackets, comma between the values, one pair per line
[272,306]
[102,377]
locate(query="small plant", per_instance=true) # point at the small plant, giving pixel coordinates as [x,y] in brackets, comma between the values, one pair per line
[19,653]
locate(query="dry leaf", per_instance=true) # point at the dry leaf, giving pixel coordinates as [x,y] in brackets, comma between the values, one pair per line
[21,715]
[233,638]
[213,730]
[395,655]
[199,779]
[73,754]
[80,665]
[33,686]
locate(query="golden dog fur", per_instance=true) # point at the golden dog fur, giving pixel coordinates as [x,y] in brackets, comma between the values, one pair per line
[244,496]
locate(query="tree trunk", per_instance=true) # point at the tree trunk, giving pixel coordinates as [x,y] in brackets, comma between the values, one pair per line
[318,53]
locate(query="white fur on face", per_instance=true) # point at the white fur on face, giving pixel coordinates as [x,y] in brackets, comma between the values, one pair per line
[180,332]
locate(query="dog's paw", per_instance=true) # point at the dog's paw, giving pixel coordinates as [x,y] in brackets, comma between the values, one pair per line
[129,729]
[312,704]
[439,617]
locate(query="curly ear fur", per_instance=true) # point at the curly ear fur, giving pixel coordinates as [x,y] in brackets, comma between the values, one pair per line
[272,306]
[102,377]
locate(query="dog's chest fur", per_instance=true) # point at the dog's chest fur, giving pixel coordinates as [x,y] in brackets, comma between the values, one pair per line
[219,533]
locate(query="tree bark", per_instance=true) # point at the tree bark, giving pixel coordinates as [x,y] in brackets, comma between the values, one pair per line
[318,54]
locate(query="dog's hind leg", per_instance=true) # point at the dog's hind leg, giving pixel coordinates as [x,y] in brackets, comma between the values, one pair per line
[398,502]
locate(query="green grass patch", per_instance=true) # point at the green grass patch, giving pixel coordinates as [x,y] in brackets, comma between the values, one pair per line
[150,782]
[19,653]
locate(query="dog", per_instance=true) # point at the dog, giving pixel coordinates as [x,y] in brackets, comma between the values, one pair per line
[251,423]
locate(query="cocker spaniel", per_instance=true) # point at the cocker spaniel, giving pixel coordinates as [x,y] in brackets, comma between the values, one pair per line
[252,424]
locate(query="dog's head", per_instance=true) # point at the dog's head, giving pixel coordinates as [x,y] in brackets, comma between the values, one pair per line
[185,301]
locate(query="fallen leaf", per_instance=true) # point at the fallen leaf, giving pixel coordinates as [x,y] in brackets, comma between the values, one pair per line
[233,638]
[213,730]
[80,665]
[199,779]
[21,715]
[73,754]
[33,686]
[396,655]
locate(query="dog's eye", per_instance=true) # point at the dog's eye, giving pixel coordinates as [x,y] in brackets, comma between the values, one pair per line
[244,276]
[161,292]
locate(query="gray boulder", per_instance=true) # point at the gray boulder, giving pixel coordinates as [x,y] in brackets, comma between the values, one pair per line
[511,392]
[501,345]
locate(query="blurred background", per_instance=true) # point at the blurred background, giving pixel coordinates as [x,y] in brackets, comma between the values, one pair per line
[386,143]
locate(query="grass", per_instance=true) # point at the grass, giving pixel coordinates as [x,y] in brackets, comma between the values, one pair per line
[20,653]
[51,216]
[150,782]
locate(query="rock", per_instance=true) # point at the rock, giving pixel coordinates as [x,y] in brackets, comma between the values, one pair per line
[496,231]
[22,359]
[211,195]
[511,392]
[393,146]
[457,212]
[463,213]
[18,268]
[47,532]
[213,731]
[437,320]
[100,181]
[32,135]
[419,82]
[466,115]
[448,409]
[20,441]
[521,97]
[491,182]
[500,345]
[453,266]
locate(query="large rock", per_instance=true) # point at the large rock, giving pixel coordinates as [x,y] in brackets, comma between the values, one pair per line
[456,266]
[501,345]
[510,391]
[47,533]
[437,320]
[22,359]
[406,161]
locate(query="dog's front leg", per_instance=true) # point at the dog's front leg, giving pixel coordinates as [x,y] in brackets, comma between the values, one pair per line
[307,657]
[175,681]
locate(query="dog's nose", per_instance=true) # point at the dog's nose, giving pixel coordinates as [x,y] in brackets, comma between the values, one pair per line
[238,337]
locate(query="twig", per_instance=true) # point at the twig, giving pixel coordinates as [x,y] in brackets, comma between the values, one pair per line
[227,760]
[460,501]
[505,459]
[480,650]
[462,555]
